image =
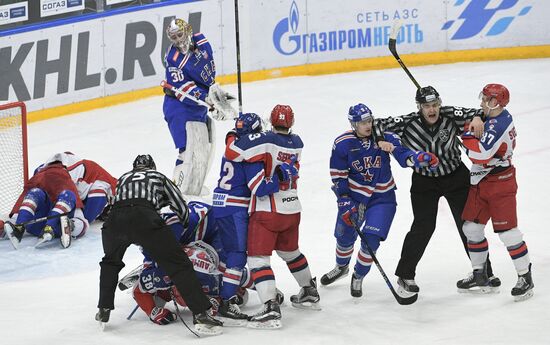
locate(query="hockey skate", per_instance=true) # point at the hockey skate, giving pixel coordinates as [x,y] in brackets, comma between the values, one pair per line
[524,287]
[205,324]
[468,284]
[268,318]
[47,236]
[333,275]
[407,285]
[14,233]
[308,297]
[230,313]
[356,286]
[67,227]
[102,316]
[280,297]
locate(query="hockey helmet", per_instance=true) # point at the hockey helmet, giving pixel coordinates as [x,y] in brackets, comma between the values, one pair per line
[498,92]
[248,123]
[358,113]
[427,94]
[180,33]
[282,116]
[144,162]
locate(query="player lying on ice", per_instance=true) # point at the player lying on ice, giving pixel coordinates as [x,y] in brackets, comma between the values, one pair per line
[49,207]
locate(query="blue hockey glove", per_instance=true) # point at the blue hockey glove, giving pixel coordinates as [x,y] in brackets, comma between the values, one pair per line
[425,159]
[287,174]
[347,210]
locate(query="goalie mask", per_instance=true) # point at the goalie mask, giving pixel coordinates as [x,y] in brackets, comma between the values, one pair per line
[180,33]
[144,162]
[282,116]
[248,123]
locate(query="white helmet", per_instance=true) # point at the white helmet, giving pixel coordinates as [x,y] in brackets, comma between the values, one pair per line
[180,34]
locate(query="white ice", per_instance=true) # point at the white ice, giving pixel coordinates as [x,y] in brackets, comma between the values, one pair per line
[49,296]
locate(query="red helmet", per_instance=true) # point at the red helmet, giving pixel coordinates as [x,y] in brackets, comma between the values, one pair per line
[282,116]
[498,92]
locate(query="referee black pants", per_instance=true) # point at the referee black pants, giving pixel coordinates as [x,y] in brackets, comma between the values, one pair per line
[138,223]
[425,194]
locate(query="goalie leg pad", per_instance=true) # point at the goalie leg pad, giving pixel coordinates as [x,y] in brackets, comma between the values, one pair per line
[190,174]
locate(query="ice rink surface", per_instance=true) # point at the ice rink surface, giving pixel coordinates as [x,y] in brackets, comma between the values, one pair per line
[49,295]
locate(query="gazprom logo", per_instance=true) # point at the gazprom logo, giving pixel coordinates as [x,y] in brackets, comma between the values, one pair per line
[477,15]
[284,42]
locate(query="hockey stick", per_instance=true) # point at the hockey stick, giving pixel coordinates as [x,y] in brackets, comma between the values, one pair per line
[393,49]
[41,219]
[184,94]
[179,314]
[238,56]
[399,299]
[132,313]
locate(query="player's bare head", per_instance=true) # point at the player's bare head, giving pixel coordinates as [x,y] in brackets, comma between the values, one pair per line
[428,103]
[144,162]
[180,33]
[282,117]
[360,117]
[248,123]
[494,95]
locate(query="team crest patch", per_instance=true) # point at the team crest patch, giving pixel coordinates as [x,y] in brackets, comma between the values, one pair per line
[366,144]
[444,135]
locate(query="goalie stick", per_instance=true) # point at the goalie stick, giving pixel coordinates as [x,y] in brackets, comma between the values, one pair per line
[401,300]
[393,49]
[184,94]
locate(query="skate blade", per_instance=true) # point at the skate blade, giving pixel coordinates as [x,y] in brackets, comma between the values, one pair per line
[102,326]
[208,330]
[524,297]
[9,232]
[484,290]
[271,324]
[65,238]
[404,293]
[229,322]
[307,305]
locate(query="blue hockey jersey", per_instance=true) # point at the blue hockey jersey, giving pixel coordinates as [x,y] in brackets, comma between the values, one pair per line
[193,73]
[237,181]
[272,149]
[359,168]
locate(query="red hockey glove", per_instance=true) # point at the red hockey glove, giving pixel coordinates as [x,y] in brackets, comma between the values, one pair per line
[425,159]
[162,316]
[347,210]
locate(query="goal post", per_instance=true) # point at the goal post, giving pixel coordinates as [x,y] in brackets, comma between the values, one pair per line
[13,150]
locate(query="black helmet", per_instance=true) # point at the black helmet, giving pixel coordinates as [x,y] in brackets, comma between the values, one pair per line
[426,94]
[144,162]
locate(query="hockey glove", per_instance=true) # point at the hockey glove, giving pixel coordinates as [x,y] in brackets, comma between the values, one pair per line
[231,135]
[220,102]
[287,174]
[425,159]
[347,210]
[162,316]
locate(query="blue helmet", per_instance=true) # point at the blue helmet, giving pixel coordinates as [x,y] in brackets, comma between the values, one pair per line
[248,123]
[359,112]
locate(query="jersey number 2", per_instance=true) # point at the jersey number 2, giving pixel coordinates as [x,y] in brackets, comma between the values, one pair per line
[230,172]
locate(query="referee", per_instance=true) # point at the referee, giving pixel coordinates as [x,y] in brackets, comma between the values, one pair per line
[134,219]
[434,128]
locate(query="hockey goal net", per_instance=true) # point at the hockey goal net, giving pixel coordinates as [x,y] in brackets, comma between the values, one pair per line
[13,150]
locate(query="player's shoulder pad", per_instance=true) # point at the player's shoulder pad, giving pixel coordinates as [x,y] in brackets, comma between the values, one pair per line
[251,140]
[199,39]
[347,135]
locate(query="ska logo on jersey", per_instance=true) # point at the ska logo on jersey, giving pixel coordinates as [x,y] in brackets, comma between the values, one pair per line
[444,135]
[366,144]
[367,176]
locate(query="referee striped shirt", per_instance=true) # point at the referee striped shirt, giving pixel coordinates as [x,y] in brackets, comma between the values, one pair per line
[154,187]
[440,139]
